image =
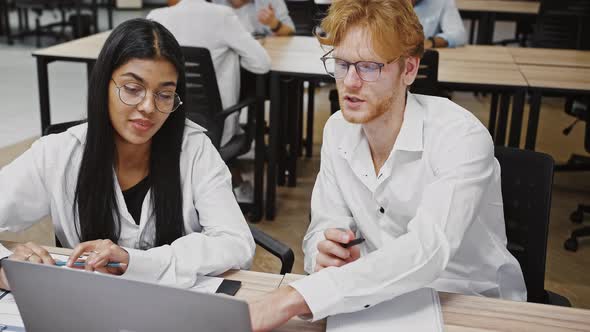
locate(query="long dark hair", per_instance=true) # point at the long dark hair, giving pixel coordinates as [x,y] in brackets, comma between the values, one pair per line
[95,197]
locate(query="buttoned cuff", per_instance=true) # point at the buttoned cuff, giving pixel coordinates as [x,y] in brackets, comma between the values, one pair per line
[143,266]
[320,294]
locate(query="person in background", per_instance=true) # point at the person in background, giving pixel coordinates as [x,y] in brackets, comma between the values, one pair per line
[198,23]
[138,184]
[263,17]
[413,175]
[441,22]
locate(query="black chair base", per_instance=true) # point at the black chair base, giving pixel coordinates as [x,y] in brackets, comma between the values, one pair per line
[571,244]
[558,300]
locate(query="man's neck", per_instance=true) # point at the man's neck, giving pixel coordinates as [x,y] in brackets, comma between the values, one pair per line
[382,132]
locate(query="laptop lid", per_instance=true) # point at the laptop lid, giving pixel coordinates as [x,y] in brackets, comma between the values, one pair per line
[61,299]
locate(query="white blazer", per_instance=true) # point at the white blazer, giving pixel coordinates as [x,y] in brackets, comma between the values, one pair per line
[433,216]
[198,23]
[42,182]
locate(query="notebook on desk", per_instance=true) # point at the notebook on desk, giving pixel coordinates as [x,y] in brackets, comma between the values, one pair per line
[72,300]
[416,311]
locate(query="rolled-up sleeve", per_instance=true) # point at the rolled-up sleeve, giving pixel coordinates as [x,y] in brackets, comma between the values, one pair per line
[464,167]
[225,241]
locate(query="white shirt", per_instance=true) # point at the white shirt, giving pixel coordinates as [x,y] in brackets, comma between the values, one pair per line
[198,23]
[248,14]
[441,18]
[42,182]
[442,224]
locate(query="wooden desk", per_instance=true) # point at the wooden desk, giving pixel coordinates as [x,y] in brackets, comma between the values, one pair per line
[84,50]
[550,57]
[462,313]
[486,12]
[499,6]
[476,53]
[566,81]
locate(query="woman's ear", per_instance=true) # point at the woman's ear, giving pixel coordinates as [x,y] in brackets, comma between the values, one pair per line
[412,64]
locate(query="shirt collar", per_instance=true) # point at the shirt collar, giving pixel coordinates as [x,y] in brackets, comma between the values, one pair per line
[410,137]
[411,134]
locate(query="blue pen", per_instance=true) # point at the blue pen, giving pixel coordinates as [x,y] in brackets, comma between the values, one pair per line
[81,264]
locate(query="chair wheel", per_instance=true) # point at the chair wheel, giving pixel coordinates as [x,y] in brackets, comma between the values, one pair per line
[577,216]
[571,244]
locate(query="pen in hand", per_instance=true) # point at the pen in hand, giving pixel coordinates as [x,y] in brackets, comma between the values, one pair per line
[353,242]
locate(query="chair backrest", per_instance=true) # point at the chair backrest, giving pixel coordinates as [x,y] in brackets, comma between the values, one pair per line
[305,16]
[527,179]
[60,127]
[203,101]
[426,82]
[563,24]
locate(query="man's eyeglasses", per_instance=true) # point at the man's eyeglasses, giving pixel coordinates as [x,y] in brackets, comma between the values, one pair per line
[368,71]
[132,94]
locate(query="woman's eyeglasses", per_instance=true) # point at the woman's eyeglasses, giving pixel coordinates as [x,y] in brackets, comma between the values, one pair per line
[132,94]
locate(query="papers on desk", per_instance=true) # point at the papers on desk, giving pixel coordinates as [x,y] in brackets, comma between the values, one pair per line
[416,311]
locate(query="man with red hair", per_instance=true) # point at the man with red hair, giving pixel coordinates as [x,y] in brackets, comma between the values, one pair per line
[413,175]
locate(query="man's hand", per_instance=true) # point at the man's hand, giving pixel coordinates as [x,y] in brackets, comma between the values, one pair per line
[331,252]
[267,17]
[30,252]
[276,308]
[101,252]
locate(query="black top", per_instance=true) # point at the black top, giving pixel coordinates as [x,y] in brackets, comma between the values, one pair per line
[134,197]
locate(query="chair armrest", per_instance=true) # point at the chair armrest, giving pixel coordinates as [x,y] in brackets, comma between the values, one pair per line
[237,107]
[275,247]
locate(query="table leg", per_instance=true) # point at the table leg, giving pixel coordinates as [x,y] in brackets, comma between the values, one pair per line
[516,120]
[43,82]
[295,115]
[259,149]
[533,124]
[274,124]
[310,113]
[493,115]
[502,119]
[110,5]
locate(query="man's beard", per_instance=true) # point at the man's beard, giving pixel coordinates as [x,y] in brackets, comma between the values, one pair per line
[381,108]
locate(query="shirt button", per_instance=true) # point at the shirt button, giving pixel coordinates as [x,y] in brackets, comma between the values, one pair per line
[382,210]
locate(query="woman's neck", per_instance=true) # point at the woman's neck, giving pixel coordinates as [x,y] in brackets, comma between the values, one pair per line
[132,162]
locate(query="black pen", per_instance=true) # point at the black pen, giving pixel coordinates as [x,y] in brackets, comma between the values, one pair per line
[353,242]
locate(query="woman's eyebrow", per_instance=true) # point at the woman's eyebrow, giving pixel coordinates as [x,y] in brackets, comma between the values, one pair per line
[140,79]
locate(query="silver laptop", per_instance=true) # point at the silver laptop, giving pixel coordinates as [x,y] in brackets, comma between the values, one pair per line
[52,298]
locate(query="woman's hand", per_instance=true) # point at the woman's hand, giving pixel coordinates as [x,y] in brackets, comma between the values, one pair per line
[100,253]
[28,252]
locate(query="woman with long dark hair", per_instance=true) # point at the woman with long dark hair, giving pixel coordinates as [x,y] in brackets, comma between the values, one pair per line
[138,184]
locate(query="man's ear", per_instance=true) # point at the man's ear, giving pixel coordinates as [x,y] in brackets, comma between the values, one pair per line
[412,64]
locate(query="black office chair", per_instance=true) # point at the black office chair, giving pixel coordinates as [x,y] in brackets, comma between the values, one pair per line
[563,24]
[305,16]
[580,110]
[527,180]
[426,81]
[38,7]
[275,247]
[203,106]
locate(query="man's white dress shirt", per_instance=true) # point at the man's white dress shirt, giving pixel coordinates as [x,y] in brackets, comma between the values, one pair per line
[42,182]
[432,217]
[441,18]
[198,23]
